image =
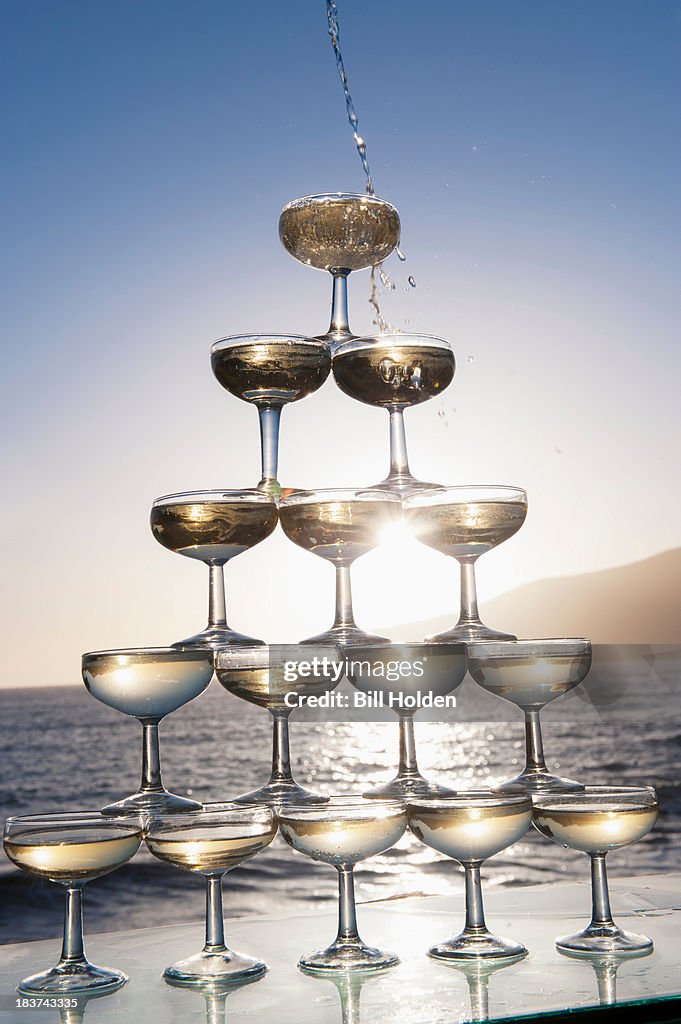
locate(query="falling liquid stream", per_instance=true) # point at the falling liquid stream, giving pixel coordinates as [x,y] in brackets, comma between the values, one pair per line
[334,34]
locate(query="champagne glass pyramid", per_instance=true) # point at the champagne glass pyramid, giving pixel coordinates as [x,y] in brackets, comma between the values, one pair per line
[531,673]
[214,527]
[395,371]
[148,683]
[339,232]
[269,371]
[464,523]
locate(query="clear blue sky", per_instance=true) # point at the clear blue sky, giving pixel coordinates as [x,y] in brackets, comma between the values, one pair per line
[533,151]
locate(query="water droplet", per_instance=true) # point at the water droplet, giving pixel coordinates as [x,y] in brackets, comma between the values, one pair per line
[400,254]
[412,282]
[471,359]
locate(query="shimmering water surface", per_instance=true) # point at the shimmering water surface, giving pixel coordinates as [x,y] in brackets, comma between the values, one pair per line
[64,750]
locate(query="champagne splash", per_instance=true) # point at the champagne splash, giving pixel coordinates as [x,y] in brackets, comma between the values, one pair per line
[334,34]
[379,319]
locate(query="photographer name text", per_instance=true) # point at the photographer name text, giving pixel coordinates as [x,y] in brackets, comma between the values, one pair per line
[370,699]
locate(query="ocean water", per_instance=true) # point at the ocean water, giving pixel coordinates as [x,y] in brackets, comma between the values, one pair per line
[63,750]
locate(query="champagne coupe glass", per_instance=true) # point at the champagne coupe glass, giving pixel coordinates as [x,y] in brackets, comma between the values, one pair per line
[599,819]
[148,683]
[395,371]
[339,232]
[340,526]
[256,674]
[72,848]
[342,833]
[464,523]
[470,827]
[213,527]
[435,669]
[269,371]
[211,842]
[530,673]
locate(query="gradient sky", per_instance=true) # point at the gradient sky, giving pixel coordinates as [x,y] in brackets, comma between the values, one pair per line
[533,151]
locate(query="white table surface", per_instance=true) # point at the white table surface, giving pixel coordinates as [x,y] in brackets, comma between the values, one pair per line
[418,991]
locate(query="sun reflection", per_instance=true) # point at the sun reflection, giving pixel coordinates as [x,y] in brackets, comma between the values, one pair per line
[394,534]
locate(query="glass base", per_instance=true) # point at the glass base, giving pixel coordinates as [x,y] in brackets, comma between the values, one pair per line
[476,946]
[69,979]
[215,638]
[469,633]
[600,940]
[403,485]
[334,339]
[538,782]
[158,802]
[405,786]
[225,967]
[345,635]
[269,486]
[280,792]
[347,956]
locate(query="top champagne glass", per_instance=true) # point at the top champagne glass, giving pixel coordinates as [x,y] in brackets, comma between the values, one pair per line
[339,232]
[395,371]
[269,371]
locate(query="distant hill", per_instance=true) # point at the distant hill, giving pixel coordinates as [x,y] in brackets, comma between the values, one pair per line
[635,604]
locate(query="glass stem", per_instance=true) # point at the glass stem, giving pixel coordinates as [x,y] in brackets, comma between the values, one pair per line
[347,914]
[339,327]
[151,757]
[281,756]
[215,927]
[469,592]
[270,416]
[408,765]
[534,747]
[72,947]
[399,463]
[601,915]
[475,918]
[344,616]
[217,606]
